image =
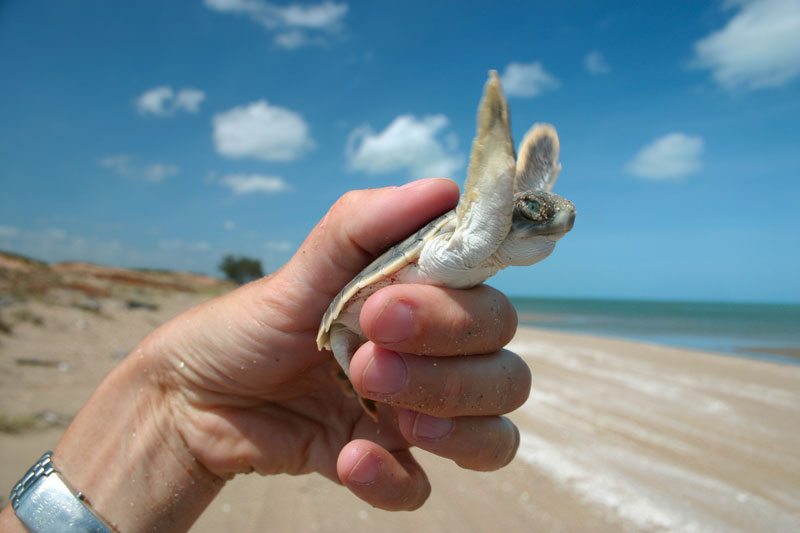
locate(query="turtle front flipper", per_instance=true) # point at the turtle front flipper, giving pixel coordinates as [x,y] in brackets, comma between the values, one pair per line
[344,344]
[537,165]
[486,206]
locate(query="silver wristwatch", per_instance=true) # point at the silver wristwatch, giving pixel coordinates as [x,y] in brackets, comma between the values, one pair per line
[45,504]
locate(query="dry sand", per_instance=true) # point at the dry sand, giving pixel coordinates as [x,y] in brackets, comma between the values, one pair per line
[617,436]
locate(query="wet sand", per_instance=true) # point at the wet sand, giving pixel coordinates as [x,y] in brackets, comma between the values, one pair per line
[616,436]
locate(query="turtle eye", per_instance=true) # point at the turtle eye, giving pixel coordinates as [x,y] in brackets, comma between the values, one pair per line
[533,210]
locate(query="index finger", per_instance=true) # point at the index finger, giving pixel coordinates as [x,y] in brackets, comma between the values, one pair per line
[432,320]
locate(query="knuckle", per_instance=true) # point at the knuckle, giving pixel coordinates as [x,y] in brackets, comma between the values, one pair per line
[496,446]
[500,445]
[502,317]
[514,383]
[453,394]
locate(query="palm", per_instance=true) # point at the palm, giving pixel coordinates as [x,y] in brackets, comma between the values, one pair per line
[289,389]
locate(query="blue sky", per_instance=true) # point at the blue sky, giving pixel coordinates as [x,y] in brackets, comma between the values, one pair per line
[167,134]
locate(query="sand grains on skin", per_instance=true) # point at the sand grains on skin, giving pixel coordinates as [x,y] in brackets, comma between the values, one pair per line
[616,436]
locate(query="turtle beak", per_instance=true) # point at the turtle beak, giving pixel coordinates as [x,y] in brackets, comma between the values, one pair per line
[562,224]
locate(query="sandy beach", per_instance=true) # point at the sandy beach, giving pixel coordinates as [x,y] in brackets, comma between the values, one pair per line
[616,436]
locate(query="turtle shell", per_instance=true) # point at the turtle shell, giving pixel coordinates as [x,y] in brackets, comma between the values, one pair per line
[388,263]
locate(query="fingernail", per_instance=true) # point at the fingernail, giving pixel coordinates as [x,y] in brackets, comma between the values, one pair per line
[430,427]
[394,323]
[386,373]
[366,470]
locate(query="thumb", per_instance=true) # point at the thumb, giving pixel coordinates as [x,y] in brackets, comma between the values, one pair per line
[361,225]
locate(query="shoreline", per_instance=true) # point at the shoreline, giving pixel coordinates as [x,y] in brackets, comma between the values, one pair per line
[787,355]
[617,435]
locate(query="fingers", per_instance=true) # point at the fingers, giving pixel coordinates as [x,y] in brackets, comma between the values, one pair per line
[478,443]
[394,482]
[477,385]
[362,224]
[430,320]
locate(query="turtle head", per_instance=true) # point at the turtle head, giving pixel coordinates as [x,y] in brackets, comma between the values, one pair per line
[539,219]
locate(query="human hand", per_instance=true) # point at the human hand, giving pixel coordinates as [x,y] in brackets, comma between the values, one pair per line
[238,385]
[250,390]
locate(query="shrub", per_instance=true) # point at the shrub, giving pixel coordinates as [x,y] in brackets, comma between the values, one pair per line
[241,269]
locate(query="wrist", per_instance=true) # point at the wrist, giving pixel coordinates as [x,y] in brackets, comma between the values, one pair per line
[124,453]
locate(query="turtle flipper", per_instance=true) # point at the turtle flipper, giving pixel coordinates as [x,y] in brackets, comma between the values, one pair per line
[487,202]
[344,344]
[486,206]
[537,165]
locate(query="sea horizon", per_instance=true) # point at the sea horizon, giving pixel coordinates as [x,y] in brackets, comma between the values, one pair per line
[758,330]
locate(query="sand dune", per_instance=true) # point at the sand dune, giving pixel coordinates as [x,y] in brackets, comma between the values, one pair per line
[616,436]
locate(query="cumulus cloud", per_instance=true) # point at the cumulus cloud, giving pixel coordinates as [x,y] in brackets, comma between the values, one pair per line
[8,231]
[261,131]
[58,244]
[278,246]
[179,245]
[527,80]
[55,244]
[595,63]
[255,183]
[163,101]
[157,172]
[417,146]
[118,163]
[122,164]
[671,157]
[189,99]
[759,47]
[294,25]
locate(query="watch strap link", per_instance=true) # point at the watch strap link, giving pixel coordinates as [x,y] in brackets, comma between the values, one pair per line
[44,503]
[42,468]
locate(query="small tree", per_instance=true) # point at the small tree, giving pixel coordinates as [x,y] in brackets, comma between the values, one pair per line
[241,269]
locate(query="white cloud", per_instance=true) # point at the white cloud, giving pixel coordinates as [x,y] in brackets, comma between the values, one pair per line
[262,131]
[595,63]
[189,99]
[155,173]
[527,79]
[759,47]
[327,15]
[229,224]
[163,102]
[55,233]
[407,144]
[671,157]
[255,183]
[179,245]
[8,231]
[295,25]
[294,39]
[118,163]
[56,244]
[278,246]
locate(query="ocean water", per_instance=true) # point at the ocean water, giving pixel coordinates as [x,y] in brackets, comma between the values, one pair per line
[763,331]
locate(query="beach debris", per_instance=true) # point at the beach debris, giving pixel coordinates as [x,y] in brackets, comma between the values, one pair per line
[140,304]
[91,305]
[15,424]
[506,216]
[42,362]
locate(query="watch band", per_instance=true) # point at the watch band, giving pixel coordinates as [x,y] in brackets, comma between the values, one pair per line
[45,504]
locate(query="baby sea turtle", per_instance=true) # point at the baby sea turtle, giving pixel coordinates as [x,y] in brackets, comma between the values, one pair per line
[506,216]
